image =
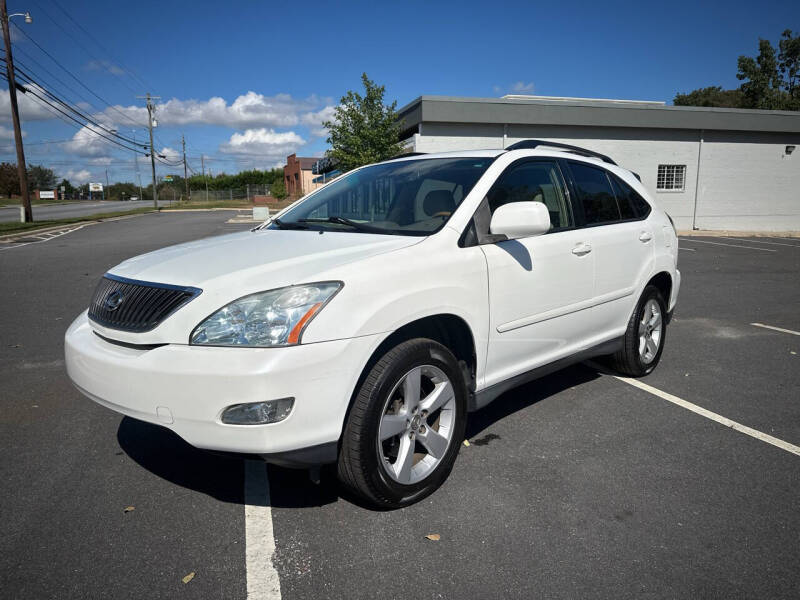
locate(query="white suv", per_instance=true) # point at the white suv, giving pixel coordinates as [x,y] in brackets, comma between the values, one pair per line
[361,325]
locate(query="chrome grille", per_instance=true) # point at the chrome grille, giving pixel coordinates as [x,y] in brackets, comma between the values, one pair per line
[131,305]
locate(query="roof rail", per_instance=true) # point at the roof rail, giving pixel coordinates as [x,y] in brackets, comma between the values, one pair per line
[405,155]
[531,144]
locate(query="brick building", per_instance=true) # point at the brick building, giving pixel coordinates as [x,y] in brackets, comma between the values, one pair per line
[297,176]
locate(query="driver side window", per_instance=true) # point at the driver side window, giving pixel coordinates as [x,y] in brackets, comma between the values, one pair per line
[535,181]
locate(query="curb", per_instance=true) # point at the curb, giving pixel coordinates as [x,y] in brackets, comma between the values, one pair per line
[724,233]
[11,237]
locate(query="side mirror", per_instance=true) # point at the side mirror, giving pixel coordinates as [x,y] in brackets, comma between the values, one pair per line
[520,219]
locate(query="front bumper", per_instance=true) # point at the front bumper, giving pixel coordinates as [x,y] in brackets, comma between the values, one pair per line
[186,388]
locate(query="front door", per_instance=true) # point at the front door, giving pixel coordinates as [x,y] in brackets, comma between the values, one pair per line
[539,287]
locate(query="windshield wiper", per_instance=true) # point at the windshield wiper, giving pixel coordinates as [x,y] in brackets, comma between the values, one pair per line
[287,224]
[344,221]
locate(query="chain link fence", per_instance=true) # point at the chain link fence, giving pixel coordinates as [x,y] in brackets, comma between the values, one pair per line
[234,194]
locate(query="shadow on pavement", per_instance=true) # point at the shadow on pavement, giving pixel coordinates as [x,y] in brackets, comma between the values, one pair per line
[166,455]
[527,395]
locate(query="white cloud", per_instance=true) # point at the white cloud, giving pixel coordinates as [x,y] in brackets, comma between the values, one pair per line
[497,89]
[521,87]
[87,143]
[29,108]
[314,120]
[248,110]
[77,177]
[170,154]
[263,146]
[7,133]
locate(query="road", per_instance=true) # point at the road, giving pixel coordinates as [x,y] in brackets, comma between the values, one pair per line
[576,485]
[44,212]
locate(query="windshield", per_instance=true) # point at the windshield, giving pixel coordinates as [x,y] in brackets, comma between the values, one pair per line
[414,197]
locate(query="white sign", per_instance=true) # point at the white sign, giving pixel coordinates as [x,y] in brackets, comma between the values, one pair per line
[95,187]
[47,194]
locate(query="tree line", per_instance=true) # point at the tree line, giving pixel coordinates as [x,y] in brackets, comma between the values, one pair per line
[770,81]
[43,178]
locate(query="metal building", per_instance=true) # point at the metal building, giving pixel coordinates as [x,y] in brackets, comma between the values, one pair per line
[709,168]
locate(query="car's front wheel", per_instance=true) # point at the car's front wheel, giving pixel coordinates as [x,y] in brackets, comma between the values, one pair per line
[406,424]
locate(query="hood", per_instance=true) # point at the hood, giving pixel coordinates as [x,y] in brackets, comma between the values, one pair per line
[257,260]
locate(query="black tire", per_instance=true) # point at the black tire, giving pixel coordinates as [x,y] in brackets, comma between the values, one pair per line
[359,465]
[628,360]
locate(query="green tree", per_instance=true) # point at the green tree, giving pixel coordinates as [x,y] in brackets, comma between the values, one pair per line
[789,65]
[762,81]
[68,187]
[770,80]
[364,129]
[9,179]
[278,189]
[41,178]
[710,96]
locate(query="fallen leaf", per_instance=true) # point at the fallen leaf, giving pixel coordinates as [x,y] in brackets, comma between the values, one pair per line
[466,442]
[188,578]
[128,509]
[434,537]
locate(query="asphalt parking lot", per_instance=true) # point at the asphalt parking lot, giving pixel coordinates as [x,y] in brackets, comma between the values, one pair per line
[576,485]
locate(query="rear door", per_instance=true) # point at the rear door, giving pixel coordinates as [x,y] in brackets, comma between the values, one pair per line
[539,287]
[622,241]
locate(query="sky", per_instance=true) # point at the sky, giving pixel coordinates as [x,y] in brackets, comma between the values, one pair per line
[248,83]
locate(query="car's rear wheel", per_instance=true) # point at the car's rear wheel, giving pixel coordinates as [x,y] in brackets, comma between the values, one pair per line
[644,338]
[406,424]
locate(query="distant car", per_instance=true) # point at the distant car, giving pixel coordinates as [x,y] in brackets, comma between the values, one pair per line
[362,324]
[133,198]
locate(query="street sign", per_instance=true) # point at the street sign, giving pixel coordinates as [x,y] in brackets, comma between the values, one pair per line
[95,187]
[168,177]
[49,194]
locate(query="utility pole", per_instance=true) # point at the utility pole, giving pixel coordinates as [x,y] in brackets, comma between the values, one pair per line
[203,165]
[107,186]
[136,168]
[151,109]
[185,174]
[12,94]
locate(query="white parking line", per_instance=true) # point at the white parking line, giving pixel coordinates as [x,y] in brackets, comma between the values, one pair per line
[262,578]
[781,329]
[760,242]
[713,416]
[40,239]
[687,249]
[731,245]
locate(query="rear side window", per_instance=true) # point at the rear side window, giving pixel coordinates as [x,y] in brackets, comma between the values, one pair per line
[626,194]
[596,195]
[538,181]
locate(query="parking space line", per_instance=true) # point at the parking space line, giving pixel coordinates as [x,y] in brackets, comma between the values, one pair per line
[262,578]
[731,245]
[722,237]
[781,329]
[687,249]
[713,416]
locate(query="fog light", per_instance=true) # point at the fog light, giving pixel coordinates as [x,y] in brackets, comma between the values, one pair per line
[258,413]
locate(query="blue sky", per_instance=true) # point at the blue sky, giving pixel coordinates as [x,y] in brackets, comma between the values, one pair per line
[249,82]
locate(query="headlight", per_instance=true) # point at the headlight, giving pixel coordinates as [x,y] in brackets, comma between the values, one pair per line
[272,318]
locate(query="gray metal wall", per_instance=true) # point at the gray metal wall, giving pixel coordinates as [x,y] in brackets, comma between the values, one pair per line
[747,182]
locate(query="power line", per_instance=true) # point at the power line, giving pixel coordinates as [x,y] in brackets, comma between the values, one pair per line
[33,92]
[80,44]
[68,72]
[93,37]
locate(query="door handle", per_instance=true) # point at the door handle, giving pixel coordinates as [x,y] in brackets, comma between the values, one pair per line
[581,249]
[645,236]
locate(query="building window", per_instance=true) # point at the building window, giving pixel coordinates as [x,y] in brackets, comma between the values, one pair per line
[671,178]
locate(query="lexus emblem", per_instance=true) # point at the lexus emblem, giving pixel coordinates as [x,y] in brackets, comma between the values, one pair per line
[113,300]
